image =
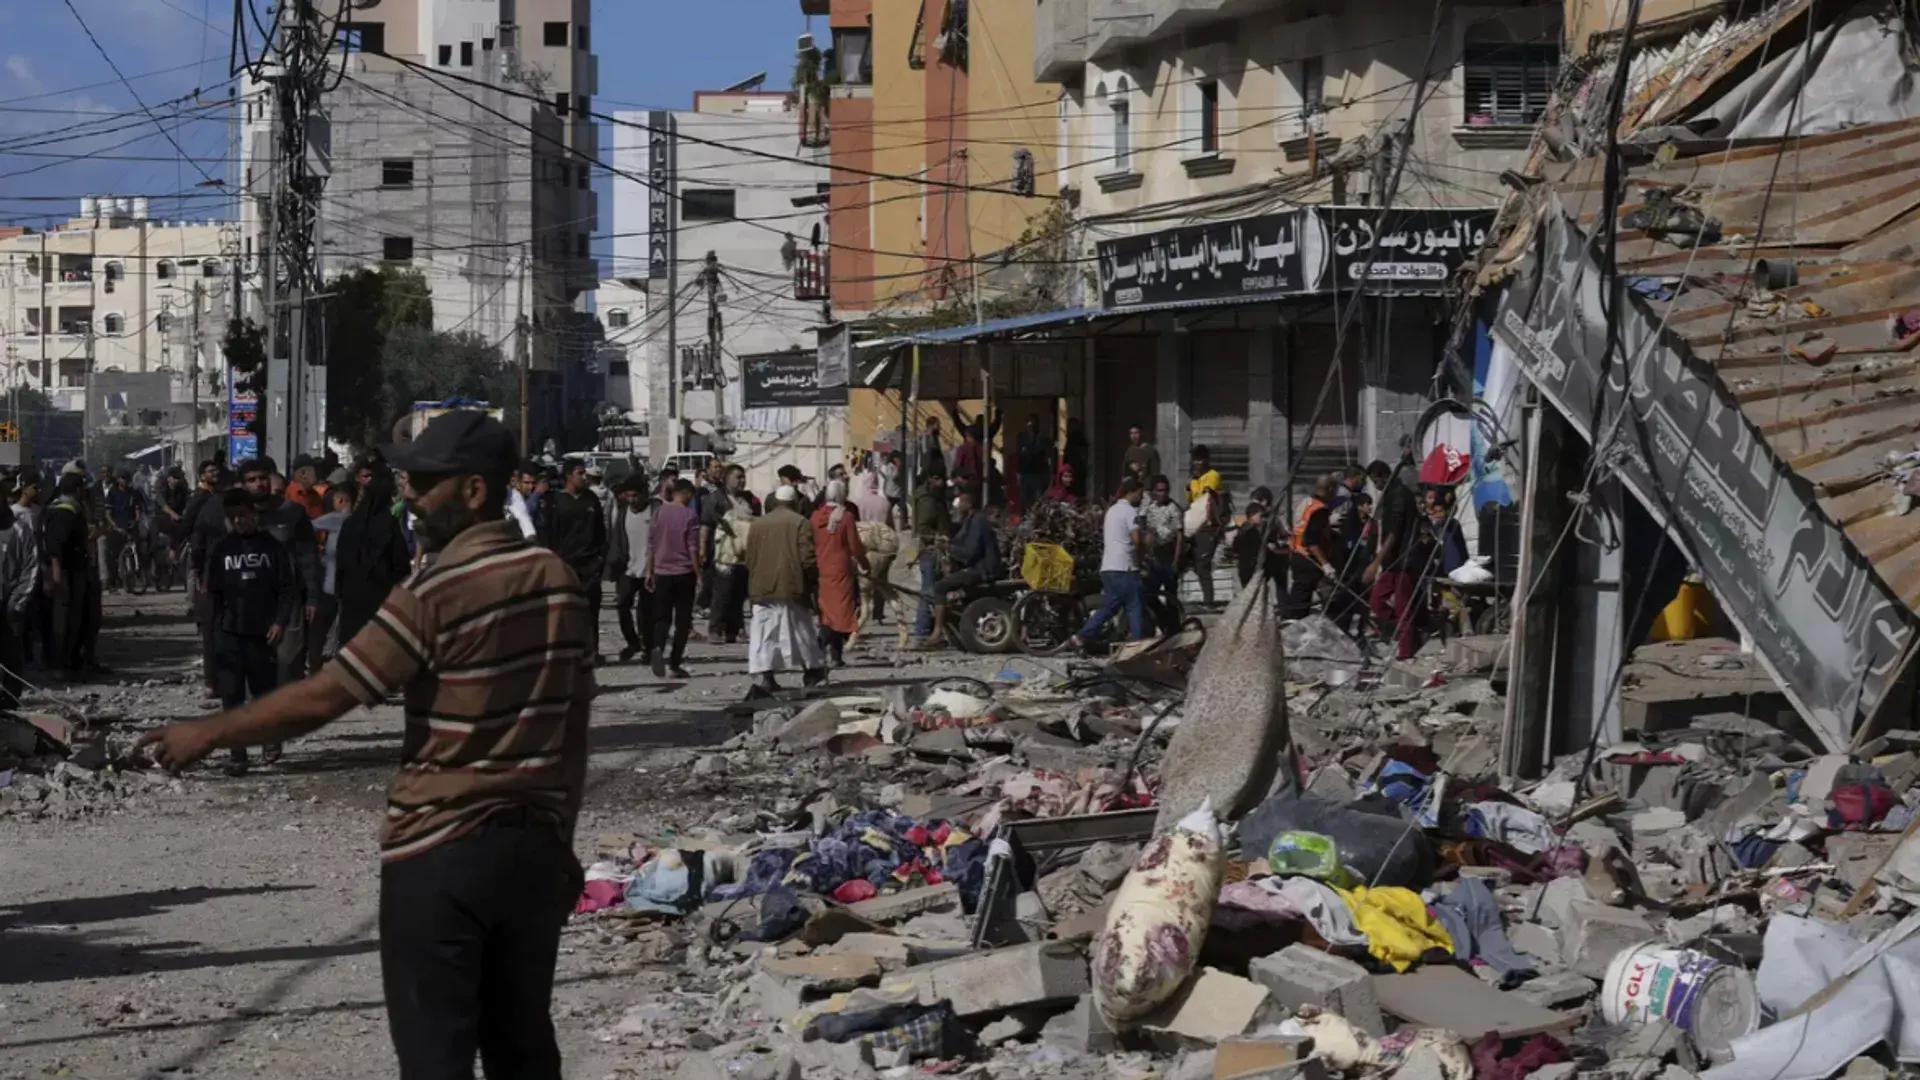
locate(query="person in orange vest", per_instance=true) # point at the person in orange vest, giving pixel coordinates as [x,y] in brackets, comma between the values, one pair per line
[1312,550]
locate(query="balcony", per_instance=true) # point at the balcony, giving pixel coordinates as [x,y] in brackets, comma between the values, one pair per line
[1059,40]
[816,7]
[810,275]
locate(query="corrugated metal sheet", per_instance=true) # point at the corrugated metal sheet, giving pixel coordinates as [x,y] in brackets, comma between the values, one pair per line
[1816,365]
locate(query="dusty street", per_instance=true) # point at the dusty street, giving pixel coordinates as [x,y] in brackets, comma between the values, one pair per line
[213,927]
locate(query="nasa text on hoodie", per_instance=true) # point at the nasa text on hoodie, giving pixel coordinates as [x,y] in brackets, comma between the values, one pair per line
[250,584]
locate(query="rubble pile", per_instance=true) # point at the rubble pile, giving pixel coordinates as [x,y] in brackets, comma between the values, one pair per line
[68,763]
[969,877]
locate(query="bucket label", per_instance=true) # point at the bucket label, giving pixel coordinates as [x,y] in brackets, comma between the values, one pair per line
[1663,987]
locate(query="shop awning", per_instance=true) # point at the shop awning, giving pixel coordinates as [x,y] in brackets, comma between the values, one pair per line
[992,328]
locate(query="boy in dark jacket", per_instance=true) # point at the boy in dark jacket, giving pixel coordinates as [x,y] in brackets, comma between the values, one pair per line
[250,593]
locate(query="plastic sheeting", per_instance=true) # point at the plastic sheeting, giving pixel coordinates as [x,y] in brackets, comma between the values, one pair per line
[1858,77]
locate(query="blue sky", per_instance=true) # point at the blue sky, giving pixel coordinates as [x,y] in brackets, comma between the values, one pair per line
[53,83]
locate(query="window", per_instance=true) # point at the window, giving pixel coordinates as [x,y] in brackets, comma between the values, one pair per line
[617,318]
[1508,85]
[580,38]
[556,34]
[1313,100]
[1208,106]
[396,248]
[583,104]
[560,103]
[163,322]
[396,173]
[586,181]
[1119,127]
[210,268]
[853,56]
[114,273]
[486,44]
[580,245]
[114,324]
[364,37]
[1066,138]
[707,204]
[466,54]
[446,56]
[163,270]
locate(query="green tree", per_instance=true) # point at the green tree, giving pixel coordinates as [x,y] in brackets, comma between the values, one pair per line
[367,307]
[421,365]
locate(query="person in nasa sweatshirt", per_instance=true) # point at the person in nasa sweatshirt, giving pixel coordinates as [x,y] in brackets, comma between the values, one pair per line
[250,592]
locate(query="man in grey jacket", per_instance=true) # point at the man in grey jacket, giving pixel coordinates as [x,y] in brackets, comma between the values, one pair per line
[19,581]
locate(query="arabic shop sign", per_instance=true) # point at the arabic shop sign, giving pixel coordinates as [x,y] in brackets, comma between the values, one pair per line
[1304,251]
[784,380]
[1823,622]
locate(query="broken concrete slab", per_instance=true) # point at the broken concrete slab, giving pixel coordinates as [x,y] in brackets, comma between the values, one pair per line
[1446,997]
[1212,1006]
[1004,978]
[1856,855]
[812,725]
[1299,975]
[1536,941]
[820,975]
[1082,1029]
[1595,933]
[905,904]
[1104,864]
[1557,988]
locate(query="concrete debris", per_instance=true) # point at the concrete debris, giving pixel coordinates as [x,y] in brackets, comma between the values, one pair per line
[1299,975]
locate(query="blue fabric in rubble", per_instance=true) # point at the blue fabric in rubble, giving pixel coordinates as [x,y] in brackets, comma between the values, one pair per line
[871,845]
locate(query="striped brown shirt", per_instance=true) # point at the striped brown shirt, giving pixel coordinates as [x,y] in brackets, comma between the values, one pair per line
[491,645]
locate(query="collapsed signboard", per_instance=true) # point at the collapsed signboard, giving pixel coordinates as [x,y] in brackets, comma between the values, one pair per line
[1825,625]
[1304,251]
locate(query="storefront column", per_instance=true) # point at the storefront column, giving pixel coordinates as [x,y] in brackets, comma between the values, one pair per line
[1268,430]
[1173,429]
[1080,407]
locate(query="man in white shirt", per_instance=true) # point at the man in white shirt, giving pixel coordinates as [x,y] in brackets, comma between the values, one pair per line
[517,506]
[628,537]
[1121,539]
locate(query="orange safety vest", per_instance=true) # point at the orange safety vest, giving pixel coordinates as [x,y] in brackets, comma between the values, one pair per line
[1300,527]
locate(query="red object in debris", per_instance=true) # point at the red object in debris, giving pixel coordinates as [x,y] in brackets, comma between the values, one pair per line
[854,891]
[1445,465]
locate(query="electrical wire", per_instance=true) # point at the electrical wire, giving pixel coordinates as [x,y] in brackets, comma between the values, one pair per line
[135,94]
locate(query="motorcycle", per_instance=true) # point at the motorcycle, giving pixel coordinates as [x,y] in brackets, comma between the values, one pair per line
[1047,620]
[986,622]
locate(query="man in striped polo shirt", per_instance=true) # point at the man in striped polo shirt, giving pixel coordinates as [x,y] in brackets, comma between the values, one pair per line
[491,645]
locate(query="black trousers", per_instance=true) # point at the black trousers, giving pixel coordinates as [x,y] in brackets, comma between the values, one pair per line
[324,613]
[469,933]
[727,613]
[76,624]
[591,585]
[634,605]
[1306,576]
[14,659]
[673,611]
[244,668]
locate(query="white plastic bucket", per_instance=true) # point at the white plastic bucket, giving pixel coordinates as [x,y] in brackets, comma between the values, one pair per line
[1713,1002]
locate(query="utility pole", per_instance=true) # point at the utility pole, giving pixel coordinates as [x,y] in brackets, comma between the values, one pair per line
[296,79]
[86,407]
[715,331]
[193,376]
[523,354]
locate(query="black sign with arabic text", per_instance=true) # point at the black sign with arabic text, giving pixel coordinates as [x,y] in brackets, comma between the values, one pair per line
[784,380]
[1305,251]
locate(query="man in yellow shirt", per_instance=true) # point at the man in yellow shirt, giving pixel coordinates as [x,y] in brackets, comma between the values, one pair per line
[1205,483]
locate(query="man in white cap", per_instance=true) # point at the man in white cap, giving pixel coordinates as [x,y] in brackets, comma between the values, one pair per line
[780,580]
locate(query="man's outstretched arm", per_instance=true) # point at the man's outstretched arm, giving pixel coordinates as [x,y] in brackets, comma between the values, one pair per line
[282,716]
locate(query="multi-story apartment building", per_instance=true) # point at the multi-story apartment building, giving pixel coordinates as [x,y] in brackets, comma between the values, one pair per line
[932,116]
[723,231]
[1234,157]
[115,299]
[480,178]
[112,290]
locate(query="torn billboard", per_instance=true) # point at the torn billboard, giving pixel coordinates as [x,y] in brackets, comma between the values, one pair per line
[1824,623]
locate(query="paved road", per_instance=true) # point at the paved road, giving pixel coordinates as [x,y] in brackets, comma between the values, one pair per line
[226,929]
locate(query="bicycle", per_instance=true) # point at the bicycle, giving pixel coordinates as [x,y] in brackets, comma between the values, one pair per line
[134,570]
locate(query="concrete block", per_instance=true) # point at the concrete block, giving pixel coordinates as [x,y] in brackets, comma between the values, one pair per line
[905,904]
[1104,864]
[1651,824]
[1439,996]
[818,976]
[1557,988]
[1082,1028]
[779,1000]
[1536,941]
[1298,975]
[699,1066]
[814,724]
[1856,855]
[842,1059]
[1596,933]
[1192,1065]
[1003,978]
[1212,1006]
[1556,901]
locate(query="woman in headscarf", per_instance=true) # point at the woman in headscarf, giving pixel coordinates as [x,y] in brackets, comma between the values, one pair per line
[841,559]
[1062,488]
[373,555]
[877,535]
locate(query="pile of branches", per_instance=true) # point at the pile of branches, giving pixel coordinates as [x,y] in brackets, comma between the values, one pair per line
[1076,528]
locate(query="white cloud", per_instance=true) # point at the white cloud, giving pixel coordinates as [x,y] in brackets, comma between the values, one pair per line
[22,71]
